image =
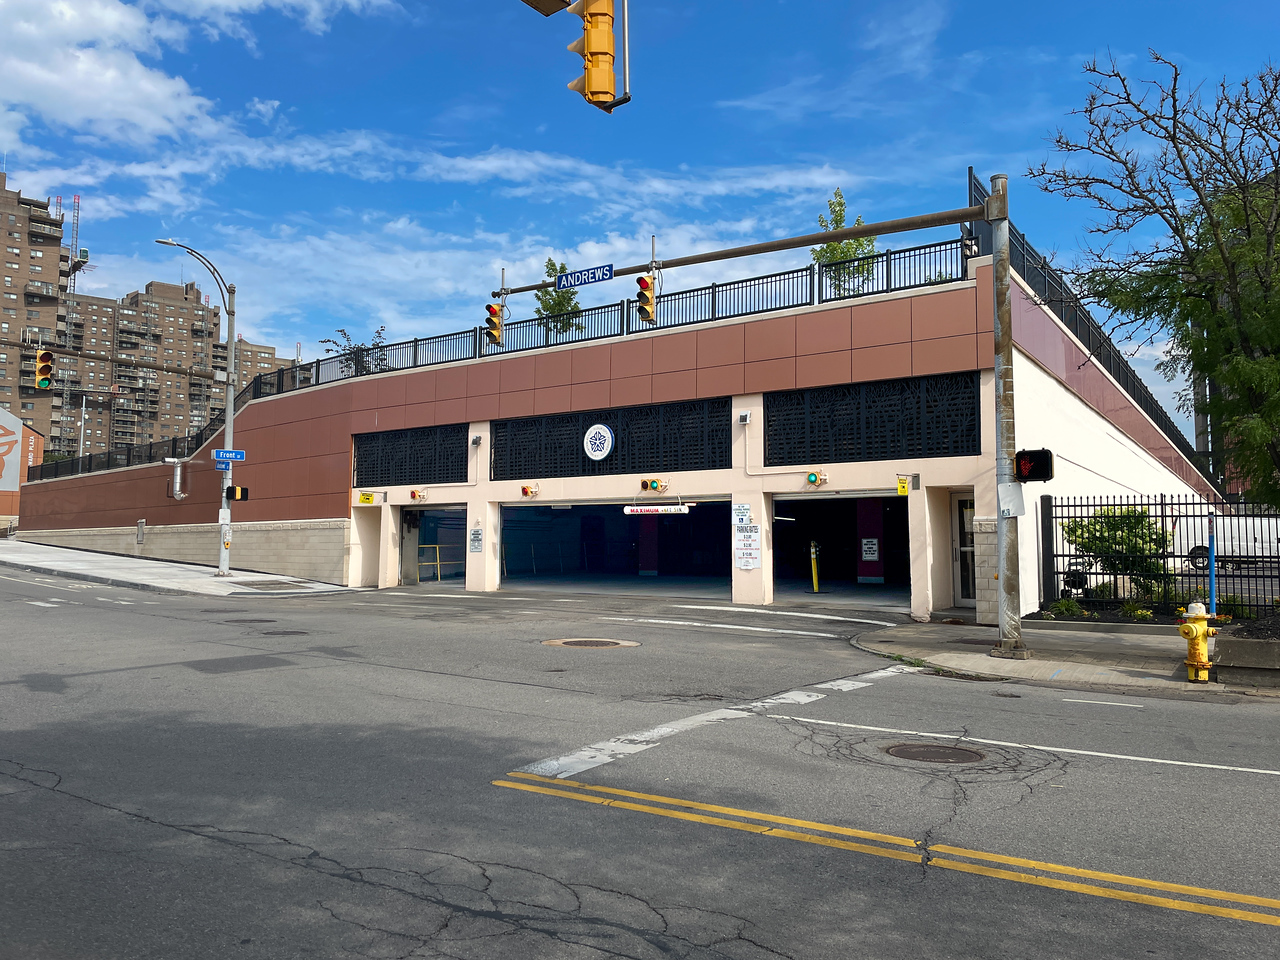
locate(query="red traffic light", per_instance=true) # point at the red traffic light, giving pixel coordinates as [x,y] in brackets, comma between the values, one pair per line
[644,283]
[493,310]
[1031,466]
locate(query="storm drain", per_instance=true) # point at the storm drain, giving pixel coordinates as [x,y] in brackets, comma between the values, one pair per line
[589,642]
[933,753]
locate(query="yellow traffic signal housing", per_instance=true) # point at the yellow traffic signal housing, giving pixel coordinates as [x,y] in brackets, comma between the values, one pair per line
[653,486]
[493,323]
[816,479]
[595,46]
[44,370]
[646,299]
[236,493]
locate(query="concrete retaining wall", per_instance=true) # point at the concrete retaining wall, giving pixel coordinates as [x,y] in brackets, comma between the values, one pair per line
[309,549]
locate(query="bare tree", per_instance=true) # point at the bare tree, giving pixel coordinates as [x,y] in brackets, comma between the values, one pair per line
[1184,249]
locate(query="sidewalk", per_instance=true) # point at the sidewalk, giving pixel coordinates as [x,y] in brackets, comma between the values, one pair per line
[157,576]
[1150,661]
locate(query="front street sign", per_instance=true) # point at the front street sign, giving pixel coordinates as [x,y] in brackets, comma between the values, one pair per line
[580,278]
[236,455]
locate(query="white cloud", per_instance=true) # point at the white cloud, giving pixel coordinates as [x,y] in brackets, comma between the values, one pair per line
[262,110]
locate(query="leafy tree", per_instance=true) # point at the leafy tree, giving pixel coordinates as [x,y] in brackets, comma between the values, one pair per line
[359,358]
[847,278]
[558,309]
[1187,244]
[1124,541]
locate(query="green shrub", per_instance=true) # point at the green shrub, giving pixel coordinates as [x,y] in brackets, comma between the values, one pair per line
[1066,607]
[1124,541]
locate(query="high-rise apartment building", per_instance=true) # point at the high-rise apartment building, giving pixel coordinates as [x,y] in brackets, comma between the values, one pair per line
[99,397]
[35,271]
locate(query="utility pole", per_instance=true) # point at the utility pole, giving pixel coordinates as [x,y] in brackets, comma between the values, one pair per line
[1008,492]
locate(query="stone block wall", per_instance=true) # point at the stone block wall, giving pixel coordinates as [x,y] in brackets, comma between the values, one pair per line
[309,549]
[986,566]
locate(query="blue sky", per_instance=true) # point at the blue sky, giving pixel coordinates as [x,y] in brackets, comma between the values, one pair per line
[363,162]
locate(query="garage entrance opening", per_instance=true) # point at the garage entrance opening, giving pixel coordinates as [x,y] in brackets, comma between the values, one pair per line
[434,545]
[586,546]
[864,549]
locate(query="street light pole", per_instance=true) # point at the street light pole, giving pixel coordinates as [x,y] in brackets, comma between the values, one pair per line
[228,293]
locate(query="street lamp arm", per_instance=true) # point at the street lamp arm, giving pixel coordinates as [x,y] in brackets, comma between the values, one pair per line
[204,261]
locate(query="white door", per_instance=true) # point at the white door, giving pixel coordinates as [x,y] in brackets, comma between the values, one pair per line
[963,572]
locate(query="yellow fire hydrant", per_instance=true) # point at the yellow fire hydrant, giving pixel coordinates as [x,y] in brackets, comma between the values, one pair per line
[1196,631]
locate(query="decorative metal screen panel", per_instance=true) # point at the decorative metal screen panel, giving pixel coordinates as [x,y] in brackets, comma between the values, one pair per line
[672,436]
[403,457]
[884,420]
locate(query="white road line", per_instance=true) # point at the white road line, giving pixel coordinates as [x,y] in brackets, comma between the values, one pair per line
[127,603]
[32,583]
[1107,703]
[606,751]
[1030,746]
[782,613]
[37,603]
[888,672]
[721,626]
[842,685]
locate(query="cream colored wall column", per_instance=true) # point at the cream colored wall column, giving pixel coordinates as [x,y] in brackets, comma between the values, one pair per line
[484,568]
[365,536]
[389,547]
[923,545]
[754,586]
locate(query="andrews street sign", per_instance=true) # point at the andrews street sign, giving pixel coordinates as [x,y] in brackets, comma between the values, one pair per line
[580,278]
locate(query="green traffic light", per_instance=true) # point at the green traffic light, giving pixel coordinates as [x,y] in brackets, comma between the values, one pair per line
[44,383]
[813,478]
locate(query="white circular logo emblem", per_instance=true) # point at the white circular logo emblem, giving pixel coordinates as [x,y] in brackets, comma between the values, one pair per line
[598,442]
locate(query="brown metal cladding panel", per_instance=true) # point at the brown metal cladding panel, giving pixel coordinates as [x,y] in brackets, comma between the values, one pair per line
[986,350]
[327,475]
[553,369]
[826,332]
[590,396]
[631,392]
[764,376]
[516,374]
[420,386]
[720,346]
[726,381]
[945,355]
[676,351]
[590,363]
[552,399]
[633,358]
[680,385]
[451,383]
[420,415]
[823,369]
[952,313]
[364,395]
[769,339]
[518,403]
[482,408]
[291,408]
[391,391]
[451,411]
[875,324]
[391,418]
[889,362]
[986,298]
[483,379]
[326,401]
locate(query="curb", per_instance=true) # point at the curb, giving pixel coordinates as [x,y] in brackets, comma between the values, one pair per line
[154,588]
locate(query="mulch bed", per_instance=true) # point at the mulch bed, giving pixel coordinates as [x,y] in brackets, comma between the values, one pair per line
[1266,629]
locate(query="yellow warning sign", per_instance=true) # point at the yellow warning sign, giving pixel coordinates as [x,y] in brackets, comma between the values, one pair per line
[366,498]
[904,485]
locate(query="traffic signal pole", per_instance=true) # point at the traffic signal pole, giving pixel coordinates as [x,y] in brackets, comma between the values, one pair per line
[1008,595]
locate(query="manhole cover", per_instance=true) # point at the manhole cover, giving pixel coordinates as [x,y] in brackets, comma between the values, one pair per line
[589,642]
[248,621]
[933,753]
[284,633]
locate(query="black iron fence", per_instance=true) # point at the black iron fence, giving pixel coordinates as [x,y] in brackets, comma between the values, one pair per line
[892,270]
[1153,553]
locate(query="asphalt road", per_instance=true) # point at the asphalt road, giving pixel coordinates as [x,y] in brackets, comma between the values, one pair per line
[379,775]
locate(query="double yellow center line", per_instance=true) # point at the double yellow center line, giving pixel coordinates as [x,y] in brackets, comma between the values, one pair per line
[943,856]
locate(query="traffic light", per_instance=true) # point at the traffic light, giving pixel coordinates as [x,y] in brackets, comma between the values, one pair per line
[44,370]
[647,305]
[1033,465]
[233,494]
[653,486]
[816,479]
[595,46]
[493,323]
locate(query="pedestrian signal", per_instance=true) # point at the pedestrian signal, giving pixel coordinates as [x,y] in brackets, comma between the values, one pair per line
[1030,466]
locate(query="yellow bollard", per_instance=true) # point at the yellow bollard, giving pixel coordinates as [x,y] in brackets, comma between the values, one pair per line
[1196,631]
[813,562]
